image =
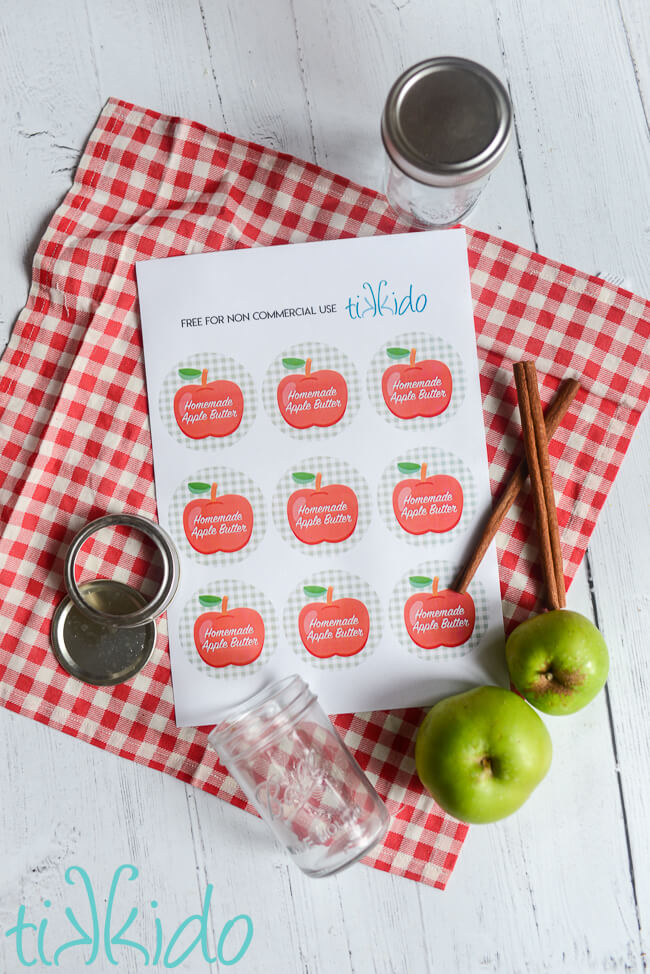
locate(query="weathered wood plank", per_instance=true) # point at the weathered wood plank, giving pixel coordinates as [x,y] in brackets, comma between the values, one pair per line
[583,134]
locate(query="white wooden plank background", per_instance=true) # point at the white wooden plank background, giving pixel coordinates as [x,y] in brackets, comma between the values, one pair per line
[565,884]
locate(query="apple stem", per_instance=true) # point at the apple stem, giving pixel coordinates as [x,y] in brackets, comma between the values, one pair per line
[423,472]
[204,377]
[317,482]
[308,367]
[224,604]
[330,592]
[434,587]
[213,492]
[412,357]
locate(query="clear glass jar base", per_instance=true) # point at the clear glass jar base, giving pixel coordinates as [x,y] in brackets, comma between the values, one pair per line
[340,863]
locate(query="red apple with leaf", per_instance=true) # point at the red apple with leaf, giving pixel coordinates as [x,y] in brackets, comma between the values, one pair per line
[434,618]
[217,522]
[207,408]
[427,504]
[311,398]
[227,637]
[334,627]
[321,513]
[415,388]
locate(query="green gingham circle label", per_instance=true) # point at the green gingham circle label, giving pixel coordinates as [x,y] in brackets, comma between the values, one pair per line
[321,357]
[218,367]
[445,574]
[333,471]
[228,482]
[437,462]
[427,347]
[345,586]
[240,595]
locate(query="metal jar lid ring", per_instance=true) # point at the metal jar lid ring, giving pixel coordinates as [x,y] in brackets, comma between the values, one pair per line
[168,584]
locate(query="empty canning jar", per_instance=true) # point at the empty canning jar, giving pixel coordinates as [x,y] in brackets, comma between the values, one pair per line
[446,124]
[288,759]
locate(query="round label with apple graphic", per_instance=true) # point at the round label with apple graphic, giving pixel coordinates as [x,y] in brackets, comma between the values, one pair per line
[217,516]
[228,629]
[207,401]
[416,380]
[432,620]
[321,505]
[426,495]
[311,391]
[333,620]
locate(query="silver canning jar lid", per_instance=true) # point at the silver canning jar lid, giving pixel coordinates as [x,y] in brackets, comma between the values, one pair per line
[104,632]
[446,121]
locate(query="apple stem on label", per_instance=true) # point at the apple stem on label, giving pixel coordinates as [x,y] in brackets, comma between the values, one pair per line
[317,482]
[423,472]
[224,604]
[330,592]
[412,357]
[308,367]
[213,492]
[434,587]
[204,377]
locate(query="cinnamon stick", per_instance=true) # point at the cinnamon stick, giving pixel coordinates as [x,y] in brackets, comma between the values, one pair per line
[538,472]
[547,480]
[552,419]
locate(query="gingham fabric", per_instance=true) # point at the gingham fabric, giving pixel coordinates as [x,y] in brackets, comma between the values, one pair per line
[74,438]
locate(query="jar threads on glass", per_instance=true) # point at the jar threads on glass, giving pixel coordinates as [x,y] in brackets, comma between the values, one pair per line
[446,125]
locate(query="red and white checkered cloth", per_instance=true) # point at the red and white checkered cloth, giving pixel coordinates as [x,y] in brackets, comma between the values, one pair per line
[74,433]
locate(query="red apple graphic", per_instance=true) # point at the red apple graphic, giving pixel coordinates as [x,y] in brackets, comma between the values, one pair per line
[417,388]
[329,628]
[322,513]
[209,409]
[213,523]
[313,399]
[428,503]
[227,637]
[438,618]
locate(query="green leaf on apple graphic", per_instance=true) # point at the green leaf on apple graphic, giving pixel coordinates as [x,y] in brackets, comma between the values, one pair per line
[398,353]
[196,487]
[293,363]
[420,581]
[406,467]
[190,373]
[302,477]
[209,601]
[314,591]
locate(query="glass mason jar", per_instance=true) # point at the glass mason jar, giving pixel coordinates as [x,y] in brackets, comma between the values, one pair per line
[446,124]
[288,759]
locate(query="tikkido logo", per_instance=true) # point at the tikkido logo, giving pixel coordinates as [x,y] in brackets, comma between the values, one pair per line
[106,935]
[379,300]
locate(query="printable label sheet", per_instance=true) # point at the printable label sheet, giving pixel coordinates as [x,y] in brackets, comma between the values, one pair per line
[320,463]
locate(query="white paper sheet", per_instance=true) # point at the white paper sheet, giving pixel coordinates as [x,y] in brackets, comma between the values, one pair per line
[287,376]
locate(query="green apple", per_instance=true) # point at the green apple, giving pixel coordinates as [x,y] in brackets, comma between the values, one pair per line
[481,753]
[558,661]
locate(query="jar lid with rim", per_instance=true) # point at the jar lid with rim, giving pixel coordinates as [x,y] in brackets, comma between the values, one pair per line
[447,121]
[103,632]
